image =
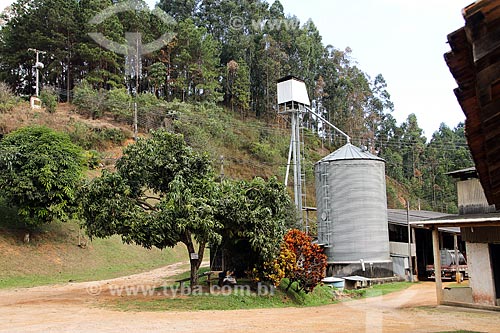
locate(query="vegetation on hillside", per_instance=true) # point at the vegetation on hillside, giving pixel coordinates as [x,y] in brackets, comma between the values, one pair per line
[53,254]
[164,193]
[40,174]
[211,60]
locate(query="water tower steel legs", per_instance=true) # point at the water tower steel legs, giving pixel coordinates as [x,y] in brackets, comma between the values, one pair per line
[297,170]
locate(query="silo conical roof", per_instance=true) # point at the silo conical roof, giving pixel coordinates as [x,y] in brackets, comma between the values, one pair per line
[350,152]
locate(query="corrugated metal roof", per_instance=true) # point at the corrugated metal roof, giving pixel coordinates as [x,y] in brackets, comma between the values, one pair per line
[350,152]
[458,173]
[398,216]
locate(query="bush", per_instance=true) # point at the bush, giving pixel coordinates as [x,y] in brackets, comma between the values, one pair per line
[119,105]
[263,151]
[300,261]
[95,137]
[48,96]
[7,98]
[114,135]
[92,159]
[40,173]
[88,100]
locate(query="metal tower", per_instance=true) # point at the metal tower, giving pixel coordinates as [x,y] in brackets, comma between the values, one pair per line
[294,100]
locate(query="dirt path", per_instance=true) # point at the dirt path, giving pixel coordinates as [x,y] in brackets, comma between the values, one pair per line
[75,307]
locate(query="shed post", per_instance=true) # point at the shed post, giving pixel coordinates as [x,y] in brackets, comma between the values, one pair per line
[457,259]
[437,265]
[410,264]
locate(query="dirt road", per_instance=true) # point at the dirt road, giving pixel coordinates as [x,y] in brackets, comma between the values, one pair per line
[76,307]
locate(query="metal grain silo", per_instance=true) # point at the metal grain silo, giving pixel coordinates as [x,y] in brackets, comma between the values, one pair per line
[352,212]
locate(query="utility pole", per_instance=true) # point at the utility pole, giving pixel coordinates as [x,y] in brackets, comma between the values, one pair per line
[38,66]
[137,59]
[410,264]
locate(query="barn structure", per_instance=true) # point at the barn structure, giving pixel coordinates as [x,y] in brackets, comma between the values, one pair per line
[480,229]
[474,62]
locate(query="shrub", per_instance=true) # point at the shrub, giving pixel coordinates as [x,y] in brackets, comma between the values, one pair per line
[300,261]
[48,96]
[40,172]
[92,159]
[88,100]
[263,151]
[114,135]
[119,105]
[7,98]
[95,137]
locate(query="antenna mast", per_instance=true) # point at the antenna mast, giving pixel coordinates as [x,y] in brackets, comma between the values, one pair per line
[38,66]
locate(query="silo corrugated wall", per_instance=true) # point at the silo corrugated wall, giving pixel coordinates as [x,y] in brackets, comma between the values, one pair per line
[352,209]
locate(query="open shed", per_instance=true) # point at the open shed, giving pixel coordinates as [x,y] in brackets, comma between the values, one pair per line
[481,234]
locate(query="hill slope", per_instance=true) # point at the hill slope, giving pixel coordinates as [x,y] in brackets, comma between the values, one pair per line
[250,147]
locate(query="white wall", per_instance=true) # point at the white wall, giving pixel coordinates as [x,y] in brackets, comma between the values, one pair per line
[480,273]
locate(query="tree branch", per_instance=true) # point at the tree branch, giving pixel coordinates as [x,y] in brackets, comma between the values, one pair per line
[145,205]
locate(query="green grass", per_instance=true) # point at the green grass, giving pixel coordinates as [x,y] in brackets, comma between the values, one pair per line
[322,295]
[386,288]
[53,255]
[231,301]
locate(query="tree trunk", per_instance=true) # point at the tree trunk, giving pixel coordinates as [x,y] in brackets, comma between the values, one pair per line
[195,258]
[195,264]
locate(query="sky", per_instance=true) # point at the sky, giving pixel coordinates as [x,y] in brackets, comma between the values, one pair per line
[404,40]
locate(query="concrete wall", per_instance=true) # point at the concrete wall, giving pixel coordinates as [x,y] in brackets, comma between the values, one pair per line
[372,270]
[401,248]
[462,295]
[480,273]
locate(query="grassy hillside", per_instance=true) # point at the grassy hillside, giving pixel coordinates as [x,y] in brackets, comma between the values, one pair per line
[53,255]
[251,147]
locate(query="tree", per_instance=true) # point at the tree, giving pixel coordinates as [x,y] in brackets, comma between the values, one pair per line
[179,9]
[40,173]
[162,193]
[237,85]
[299,260]
[157,77]
[255,215]
[195,72]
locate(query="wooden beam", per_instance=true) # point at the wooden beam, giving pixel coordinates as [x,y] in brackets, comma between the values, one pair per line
[437,265]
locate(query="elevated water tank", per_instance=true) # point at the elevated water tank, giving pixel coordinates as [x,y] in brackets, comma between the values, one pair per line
[352,207]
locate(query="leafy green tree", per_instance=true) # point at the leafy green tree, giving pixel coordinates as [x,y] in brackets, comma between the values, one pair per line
[89,101]
[40,173]
[162,193]
[254,215]
[195,62]
[179,9]
[48,96]
[119,103]
[157,77]
[237,87]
